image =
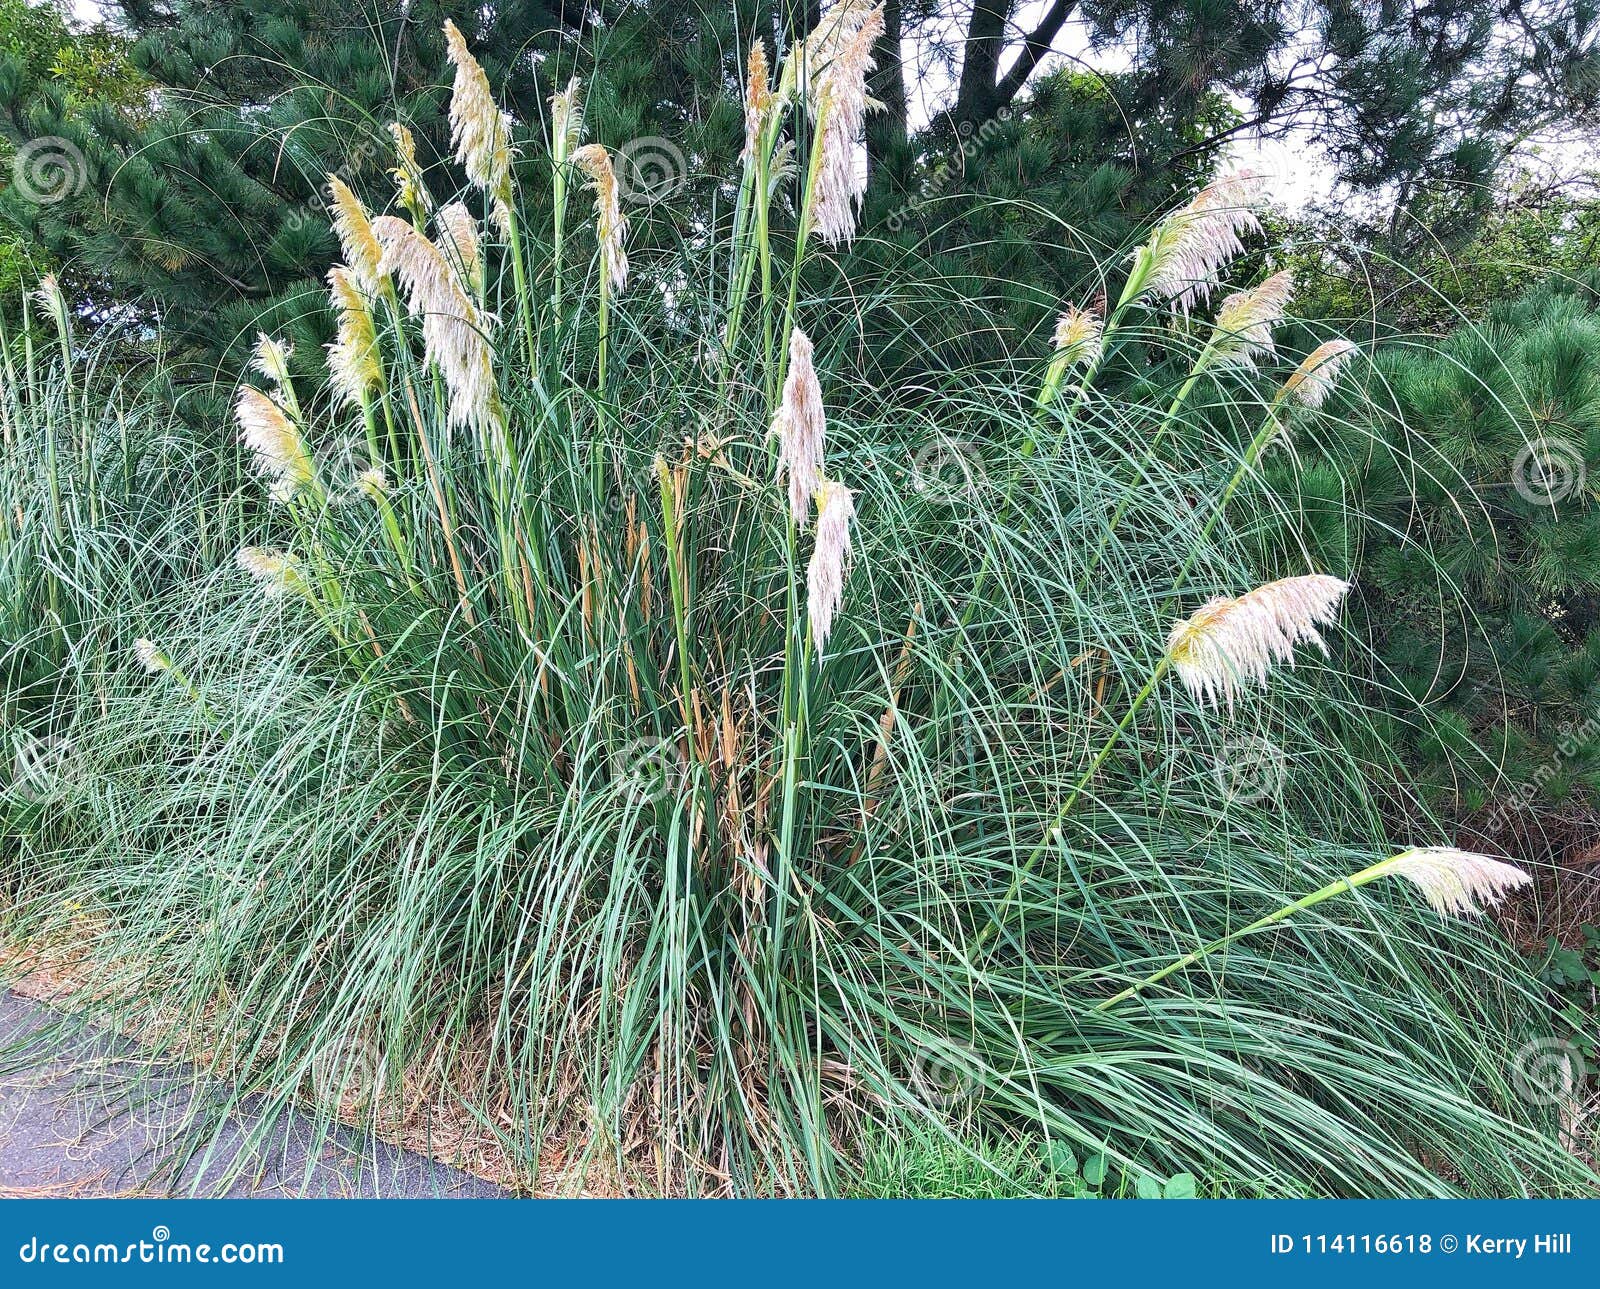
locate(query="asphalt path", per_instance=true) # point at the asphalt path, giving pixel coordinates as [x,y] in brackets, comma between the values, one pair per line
[93,1115]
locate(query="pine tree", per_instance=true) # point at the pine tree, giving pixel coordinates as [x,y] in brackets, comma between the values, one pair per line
[1462,478]
[208,211]
[82,69]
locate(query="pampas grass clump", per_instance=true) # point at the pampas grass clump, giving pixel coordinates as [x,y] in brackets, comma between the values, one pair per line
[677,760]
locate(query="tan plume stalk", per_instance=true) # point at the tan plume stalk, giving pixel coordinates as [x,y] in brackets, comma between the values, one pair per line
[479,130]
[1184,257]
[354,369]
[763,107]
[276,571]
[760,102]
[153,659]
[830,559]
[1314,379]
[48,294]
[454,329]
[480,133]
[271,358]
[1310,384]
[1242,333]
[1227,641]
[157,661]
[610,225]
[1245,320]
[355,363]
[800,428]
[271,435]
[834,30]
[1079,342]
[455,338]
[1452,881]
[409,185]
[566,118]
[566,129]
[354,227]
[1229,644]
[595,162]
[839,109]
[836,57]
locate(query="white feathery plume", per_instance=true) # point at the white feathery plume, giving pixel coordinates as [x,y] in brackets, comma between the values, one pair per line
[150,656]
[1313,380]
[1080,333]
[610,225]
[409,185]
[1229,644]
[272,358]
[479,131]
[373,483]
[759,101]
[781,169]
[1245,321]
[1188,249]
[353,367]
[839,108]
[822,44]
[266,429]
[830,559]
[459,231]
[276,571]
[454,329]
[48,294]
[800,426]
[566,119]
[1453,881]
[361,250]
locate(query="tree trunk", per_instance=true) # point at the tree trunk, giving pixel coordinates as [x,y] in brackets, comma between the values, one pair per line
[886,130]
[980,67]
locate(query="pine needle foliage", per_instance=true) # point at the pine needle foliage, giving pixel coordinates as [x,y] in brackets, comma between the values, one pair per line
[1461,475]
